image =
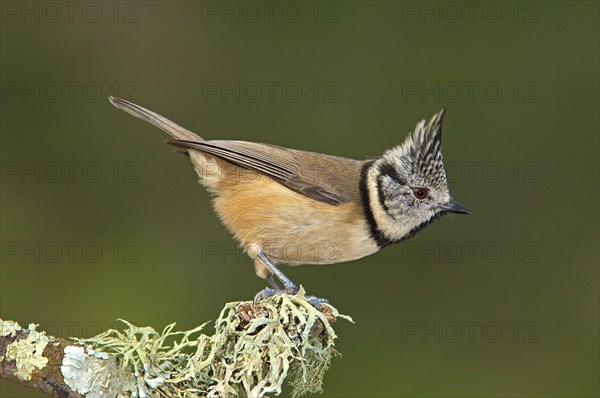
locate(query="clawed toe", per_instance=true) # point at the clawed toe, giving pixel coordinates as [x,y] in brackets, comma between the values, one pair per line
[316,301]
[266,293]
[269,292]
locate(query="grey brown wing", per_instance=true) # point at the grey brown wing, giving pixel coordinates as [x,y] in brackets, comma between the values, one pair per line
[325,178]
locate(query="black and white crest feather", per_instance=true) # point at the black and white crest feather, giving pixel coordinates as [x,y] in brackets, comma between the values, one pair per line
[421,152]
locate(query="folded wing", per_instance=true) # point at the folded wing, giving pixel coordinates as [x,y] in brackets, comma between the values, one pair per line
[325,178]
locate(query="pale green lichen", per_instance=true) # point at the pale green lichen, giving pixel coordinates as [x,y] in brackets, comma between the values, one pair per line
[96,376]
[254,349]
[9,328]
[28,352]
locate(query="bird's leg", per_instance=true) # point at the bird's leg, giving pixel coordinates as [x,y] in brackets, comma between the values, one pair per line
[273,282]
[289,286]
[268,291]
[274,275]
[255,251]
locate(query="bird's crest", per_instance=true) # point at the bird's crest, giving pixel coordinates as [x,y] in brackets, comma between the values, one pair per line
[421,151]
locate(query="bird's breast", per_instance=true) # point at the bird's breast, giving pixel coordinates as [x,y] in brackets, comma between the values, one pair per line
[290,227]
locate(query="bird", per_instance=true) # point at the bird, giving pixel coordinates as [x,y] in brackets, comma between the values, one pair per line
[294,207]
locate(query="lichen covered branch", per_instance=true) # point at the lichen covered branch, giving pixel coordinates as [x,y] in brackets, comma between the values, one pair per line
[32,358]
[254,349]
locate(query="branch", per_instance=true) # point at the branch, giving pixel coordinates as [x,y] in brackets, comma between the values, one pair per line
[254,349]
[33,359]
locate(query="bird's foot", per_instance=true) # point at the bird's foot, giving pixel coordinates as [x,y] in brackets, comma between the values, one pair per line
[269,292]
[316,301]
[266,293]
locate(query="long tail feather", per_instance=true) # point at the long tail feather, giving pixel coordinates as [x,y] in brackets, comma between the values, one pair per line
[172,128]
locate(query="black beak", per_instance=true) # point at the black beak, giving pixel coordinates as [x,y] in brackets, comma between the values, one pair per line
[453,207]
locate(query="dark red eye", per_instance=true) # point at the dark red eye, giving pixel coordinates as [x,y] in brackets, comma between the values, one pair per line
[420,193]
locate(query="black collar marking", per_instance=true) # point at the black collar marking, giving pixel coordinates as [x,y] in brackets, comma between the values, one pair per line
[376,233]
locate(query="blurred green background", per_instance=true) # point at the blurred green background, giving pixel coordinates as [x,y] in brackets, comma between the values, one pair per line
[100,220]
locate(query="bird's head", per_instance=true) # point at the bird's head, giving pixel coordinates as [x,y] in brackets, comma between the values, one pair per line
[408,187]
